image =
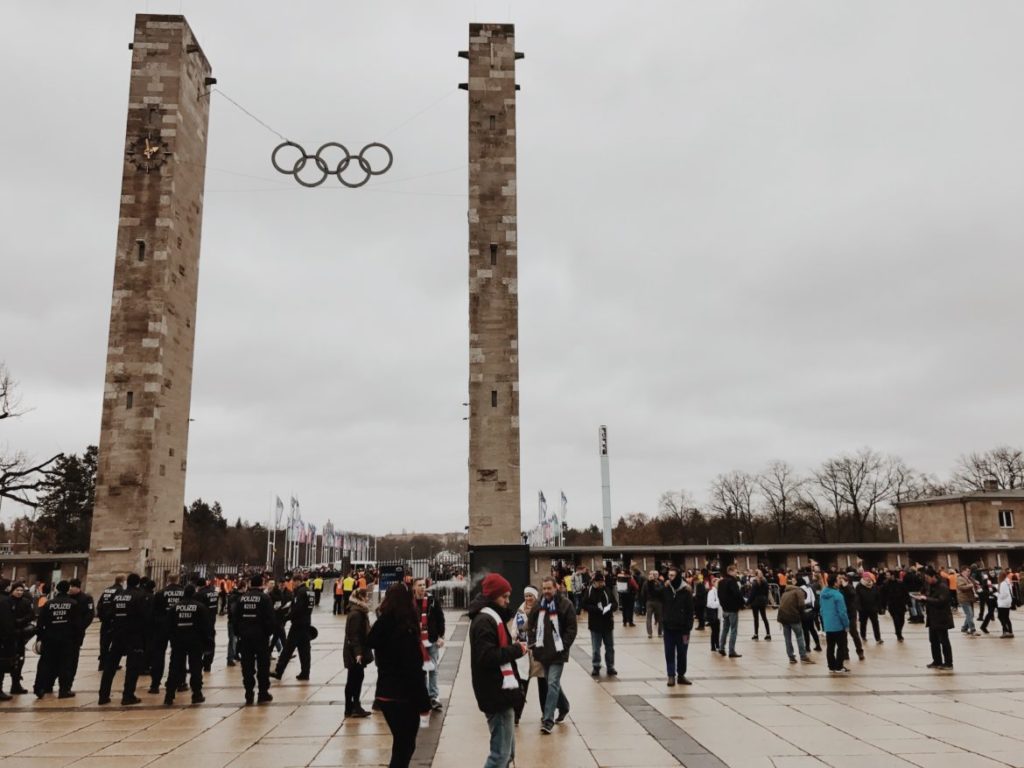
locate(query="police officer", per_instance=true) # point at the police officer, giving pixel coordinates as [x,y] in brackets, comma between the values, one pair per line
[189,630]
[128,637]
[208,592]
[253,616]
[58,629]
[299,632]
[105,612]
[163,610]
[86,613]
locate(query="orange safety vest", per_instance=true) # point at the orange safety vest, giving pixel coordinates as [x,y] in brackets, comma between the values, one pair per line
[337,587]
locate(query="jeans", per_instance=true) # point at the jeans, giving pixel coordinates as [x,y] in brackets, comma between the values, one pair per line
[606,636]
[554,698]
[788,630]
[836,649]
[676,646]
[968,616]
[942,651]
[404,722]
[653,614]
[730,626]
[435,654]
[232,644]
[502,726]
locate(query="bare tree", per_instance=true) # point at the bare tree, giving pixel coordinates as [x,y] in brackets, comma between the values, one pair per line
[1003,465]
[781,489]
[676,510]
[855,487]
[20,476]
[732,496]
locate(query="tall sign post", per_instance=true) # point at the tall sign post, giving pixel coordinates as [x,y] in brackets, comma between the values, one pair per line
[606,485]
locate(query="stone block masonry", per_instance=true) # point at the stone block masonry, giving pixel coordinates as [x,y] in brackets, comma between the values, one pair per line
[143,446]
[494,507]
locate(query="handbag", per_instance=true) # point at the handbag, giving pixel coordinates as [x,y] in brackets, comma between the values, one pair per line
[367,657]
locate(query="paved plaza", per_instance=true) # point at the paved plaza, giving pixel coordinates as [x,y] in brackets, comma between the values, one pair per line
[755,712]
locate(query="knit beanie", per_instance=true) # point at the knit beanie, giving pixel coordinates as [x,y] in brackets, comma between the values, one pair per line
[531,591]
[495,585]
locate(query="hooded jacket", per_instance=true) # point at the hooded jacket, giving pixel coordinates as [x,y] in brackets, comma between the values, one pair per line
[832,609]
[791,605]
[357,630]
[677,614]
[487,656]
[939,607]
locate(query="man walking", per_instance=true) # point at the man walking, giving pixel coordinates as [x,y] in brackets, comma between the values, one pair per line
[211,594]
[105,613]
[58,629]
[552,627]
[601,605]
[163,611]
[432,631]
[128,632]
[852,609]
[86,613]
[791,617]
[495,684]
[298,632]
[939,619]
[965,595]
[650,595]
[189,631]
[254,624]
[731,601]
[677,616]
[835,620]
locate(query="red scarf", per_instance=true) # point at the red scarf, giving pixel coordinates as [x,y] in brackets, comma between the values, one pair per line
[428,663]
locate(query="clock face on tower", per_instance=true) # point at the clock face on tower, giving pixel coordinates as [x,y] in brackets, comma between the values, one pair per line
[147,153]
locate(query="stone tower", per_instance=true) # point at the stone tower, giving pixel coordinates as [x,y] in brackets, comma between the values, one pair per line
[140,487]
[493,301]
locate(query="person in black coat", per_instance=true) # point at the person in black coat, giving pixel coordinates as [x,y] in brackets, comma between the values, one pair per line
[850,596]
[869,601]
[894,598]
[731,600]
[59,626]
[255,623]
[355,654]
[189,632]
[299,631]
[128,640]
[600,603]
[677,620]
[758,598]
[939,619]
[401,685]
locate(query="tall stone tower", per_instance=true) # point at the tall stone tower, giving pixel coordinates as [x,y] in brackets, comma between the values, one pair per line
[493,301]
[140,488]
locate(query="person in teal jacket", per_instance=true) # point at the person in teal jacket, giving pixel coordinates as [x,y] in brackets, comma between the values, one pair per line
[836,621]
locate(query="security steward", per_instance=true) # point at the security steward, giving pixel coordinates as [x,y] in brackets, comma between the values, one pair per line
[253,617]
[163,611]
[58,629]
[86,613]
[105,612]
[189,631]
[298,632]
[208,592]
[128,640]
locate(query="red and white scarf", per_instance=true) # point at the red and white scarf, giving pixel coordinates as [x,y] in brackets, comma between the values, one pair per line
[549,609]
[428,663]
[508,677]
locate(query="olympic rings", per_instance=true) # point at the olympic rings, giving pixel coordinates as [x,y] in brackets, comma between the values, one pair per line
[324,168]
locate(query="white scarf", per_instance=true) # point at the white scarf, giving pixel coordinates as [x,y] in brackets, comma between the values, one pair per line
[555,632]
[508,677]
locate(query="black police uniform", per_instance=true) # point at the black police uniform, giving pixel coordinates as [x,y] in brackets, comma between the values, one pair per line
[189,631]
[105,612]
[58,628]
[253,614]
[298,633]
[163,609]
[128,639]
[86,613]
[210,596]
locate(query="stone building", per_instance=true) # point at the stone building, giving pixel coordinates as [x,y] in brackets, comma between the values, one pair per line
[140,489]
[985,516]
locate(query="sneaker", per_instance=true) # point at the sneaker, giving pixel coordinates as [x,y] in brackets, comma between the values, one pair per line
[899,639]
[596,672]
[276,675]
[946,666]
[721,652]
[435,705]
[546,727]
[264,698]
[807,660]
[755,637]
[684,681]
[768,638]
[250,698]
[562,715]
[735,655]
[612,672]
[361,713]
[984,631]
[671,681]
[231,662]
[879,641]
[792,659]
[933,665]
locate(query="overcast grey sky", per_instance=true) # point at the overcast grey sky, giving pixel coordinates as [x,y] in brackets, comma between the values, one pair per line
[747,231]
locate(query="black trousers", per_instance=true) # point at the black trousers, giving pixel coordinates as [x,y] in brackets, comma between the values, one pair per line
[157,651]
[627,607]
[989,611]
[255,663]
[715,625]
[106,638]
[338,604]
[898,620]
[873,618]
[404,722]
[807,622]
[760,611]
[316,597]
[854,633]
[186,649]
[353,686]
[131,649]
[836,649]
[942,651]
[298,639]
[1004,620]
[57,662]
[207,656]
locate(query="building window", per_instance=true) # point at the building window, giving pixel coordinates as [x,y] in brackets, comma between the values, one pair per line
[494,254]
[494,122]
[494,398]
[1006,518]
[141,245]
[130,400]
